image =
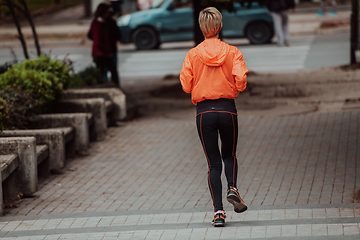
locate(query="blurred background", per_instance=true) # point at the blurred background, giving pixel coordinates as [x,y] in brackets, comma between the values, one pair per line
[62,26]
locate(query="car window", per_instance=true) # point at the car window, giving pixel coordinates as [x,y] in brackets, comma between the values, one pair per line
[182,4]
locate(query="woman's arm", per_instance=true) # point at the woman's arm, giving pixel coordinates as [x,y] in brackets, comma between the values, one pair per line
[186,75]
[239,71]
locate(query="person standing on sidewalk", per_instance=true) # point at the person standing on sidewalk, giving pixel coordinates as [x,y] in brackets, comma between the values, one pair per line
[323,8]
[214,73]
[103,42]
[115,37]
[279,10]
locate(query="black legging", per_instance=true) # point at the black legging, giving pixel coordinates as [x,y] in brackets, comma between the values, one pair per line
[107,63]
[214,118]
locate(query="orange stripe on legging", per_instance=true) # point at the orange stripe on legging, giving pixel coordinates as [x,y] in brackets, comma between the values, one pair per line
[202,140]
[233,152]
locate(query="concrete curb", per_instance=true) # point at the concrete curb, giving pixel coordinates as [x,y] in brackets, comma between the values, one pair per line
[53,138]
[95,106]
[78,121]
[25,179]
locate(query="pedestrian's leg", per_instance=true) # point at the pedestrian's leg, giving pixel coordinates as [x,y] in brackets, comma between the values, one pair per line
[208,134]
[285,26]
[278,28]
[105,74]
[115,60]
[228,129]
[114,75]
[333,9]
[334,5]
[101,65]
[322,7]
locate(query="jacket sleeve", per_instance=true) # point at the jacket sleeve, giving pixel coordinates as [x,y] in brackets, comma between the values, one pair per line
[89,34]
[239,71]
[97,34]
[114,30]
[186,75]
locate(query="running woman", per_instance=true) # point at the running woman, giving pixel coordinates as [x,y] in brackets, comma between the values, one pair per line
[214,73]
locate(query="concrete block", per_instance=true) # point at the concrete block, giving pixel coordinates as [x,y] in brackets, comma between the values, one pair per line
[54,138]
[1,199]
[42,152]
[96,106]
[78,121]
[25,179]
[43,163]
[9,163]
[115,95]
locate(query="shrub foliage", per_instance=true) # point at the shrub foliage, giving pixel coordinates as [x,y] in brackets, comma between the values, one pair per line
[32,86]
[87,77]
[44,78]
[16,109]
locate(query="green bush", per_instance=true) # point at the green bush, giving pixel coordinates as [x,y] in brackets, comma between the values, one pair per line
[87,77]
[4,114]
[17,109]
[43,78]
[58,68]
[32,86]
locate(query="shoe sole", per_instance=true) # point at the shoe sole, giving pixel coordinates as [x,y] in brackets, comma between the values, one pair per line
[239,207]
[219,224]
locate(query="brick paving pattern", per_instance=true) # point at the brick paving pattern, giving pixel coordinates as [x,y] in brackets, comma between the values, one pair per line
[148,180]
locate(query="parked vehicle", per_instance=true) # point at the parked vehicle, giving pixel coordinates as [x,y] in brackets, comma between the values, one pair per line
[172,20]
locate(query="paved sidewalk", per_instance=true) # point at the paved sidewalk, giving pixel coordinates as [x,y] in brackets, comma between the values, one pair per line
[300,176]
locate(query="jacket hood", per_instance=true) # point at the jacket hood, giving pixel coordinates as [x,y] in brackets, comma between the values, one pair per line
[212,52]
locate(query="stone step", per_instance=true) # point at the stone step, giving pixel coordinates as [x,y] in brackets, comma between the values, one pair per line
[42,152]
[8,164]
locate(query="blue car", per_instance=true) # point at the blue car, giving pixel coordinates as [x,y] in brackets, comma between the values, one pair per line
[172,20]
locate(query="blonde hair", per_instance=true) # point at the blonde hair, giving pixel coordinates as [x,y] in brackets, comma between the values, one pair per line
[210,21]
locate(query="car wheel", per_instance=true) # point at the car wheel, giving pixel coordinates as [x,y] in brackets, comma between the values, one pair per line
[259,33]
[145,38]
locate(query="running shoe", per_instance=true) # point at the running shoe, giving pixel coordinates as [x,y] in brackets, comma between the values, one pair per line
[234,198]
[219,219]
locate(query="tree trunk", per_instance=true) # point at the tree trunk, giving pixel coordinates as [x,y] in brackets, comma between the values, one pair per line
[16,21]
[29,18]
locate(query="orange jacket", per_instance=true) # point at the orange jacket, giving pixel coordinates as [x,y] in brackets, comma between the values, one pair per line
[213,70]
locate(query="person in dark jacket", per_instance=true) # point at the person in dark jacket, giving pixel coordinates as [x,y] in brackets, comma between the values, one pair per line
[104,45]
[115,37]
[279,10]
